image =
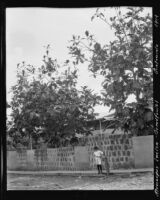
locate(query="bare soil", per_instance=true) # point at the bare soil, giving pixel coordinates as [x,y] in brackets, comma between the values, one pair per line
[141,181]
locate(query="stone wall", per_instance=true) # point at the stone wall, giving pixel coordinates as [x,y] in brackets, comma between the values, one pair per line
[118,148]
[61,158]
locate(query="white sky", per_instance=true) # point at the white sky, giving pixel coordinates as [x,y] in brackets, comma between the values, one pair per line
[29,29]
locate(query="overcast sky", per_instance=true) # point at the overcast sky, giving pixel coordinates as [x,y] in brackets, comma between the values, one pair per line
[28,30]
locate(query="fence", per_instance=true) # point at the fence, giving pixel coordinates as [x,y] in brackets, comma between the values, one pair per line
[122,152]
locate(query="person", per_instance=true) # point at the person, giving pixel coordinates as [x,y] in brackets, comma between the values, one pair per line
[98,159]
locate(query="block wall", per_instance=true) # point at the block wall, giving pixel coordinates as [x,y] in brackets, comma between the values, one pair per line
[122,151]
[22,158]
[118,148]
[61,158]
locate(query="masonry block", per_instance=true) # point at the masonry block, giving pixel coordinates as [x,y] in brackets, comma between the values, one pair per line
[124,153]
[119,147]
[117,159]
[121,158]
[114,153]
[112,142]
[125,147]
[116,141]
[126,159]
[127,141]
[128,153]
[111,147]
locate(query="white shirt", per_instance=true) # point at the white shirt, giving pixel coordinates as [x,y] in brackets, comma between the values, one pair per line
[97,155]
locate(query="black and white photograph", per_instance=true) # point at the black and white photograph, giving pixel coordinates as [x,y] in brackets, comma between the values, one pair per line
[79,92]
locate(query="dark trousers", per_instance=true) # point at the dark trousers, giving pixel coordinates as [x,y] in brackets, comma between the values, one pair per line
[99,167]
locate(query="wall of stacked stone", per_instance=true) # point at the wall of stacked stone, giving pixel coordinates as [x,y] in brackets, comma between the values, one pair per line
[123,151]
[61,158]
[118,149]
[22,158]
[40,158]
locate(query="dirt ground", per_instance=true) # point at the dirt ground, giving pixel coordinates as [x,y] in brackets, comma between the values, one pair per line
[138,181]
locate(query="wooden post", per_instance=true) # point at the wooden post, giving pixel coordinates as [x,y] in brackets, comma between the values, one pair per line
[100,126]
[30,142]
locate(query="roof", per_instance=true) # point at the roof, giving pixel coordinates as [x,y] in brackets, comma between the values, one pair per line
[110,116]
[105,117]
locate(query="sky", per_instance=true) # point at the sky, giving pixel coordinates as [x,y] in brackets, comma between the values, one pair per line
[28,30]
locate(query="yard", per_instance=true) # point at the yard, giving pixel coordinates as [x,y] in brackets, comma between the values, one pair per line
[137,181]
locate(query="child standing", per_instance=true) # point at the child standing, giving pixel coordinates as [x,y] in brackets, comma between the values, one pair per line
[98,159]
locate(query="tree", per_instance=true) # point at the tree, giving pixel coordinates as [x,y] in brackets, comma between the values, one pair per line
[46,104]
[126,64]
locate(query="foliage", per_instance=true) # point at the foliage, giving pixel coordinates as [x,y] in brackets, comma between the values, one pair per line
[46,104]
[126,64]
